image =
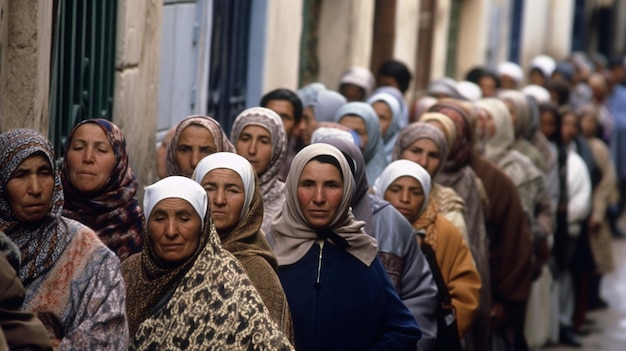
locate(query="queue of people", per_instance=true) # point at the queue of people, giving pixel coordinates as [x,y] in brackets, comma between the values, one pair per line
[478,217]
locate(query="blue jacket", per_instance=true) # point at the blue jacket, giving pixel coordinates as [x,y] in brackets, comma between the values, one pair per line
[339,303]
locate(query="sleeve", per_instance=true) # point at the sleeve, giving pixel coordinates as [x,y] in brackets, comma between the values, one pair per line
[100,296]
[419,293]
[400,330]
[578,189]
[21,330]
[603,193]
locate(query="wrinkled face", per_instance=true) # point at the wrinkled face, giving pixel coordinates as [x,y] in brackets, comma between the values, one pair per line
[320,189]
[284,109]
[407,196]
[255,144]
[425,153]
[174,228]
[195,142]
[384,115]
[352,92]
[90,158]
[357,124]
[227,194]
[308,125]
[488,86]
[29,189]
[569,127]
[547,124]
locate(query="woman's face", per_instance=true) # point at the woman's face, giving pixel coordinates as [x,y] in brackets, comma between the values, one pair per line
[30,189]
[194,143]
[384,115]
[90,158]
[588,125]
[425,153]
[255,144]
[547,124]
[357,124]
[174,229]
[227,195]
[284,109]
[569,127]
[320,190]
[407,196]
[488,86]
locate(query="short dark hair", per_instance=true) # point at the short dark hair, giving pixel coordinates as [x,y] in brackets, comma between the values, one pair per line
[399,71]
[286,95]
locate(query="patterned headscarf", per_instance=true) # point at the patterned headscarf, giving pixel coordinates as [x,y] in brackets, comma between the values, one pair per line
[113,212]
[421,130]
[374,151]
[271,121]
[42,243]
[152,277]
[293,236]
[219,137]
[461,152]
[403,168]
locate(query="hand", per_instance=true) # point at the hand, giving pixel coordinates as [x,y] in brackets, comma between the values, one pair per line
[498,315]
[594,226]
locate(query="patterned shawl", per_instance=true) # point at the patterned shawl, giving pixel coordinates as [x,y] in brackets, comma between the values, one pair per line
[113,212]
[149,279]
[42,243]
[374,151]
[271,187]
[219,137]
[293,237]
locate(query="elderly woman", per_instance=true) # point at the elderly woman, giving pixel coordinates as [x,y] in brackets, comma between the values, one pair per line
[259,136]
[389,115]
[340,296]
[194,138]
[100,187]
[407,186]
[237,212]
[362,118]
[88,313]
[184,290]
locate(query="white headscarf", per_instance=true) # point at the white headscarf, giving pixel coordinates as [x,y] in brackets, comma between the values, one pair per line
[512,70]
[359,76]
[403,168]
[177,187]
[234,162]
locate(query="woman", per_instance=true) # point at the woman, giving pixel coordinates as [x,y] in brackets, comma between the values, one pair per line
[58,251]
[195,137]
[259,136]
[99,186]
[362,118]
[340,296]
[427,146]
[184,290]
[406,185]
[237,213]
[389,115]
[320,108]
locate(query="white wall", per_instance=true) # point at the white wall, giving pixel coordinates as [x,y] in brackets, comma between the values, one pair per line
[472,43]
[407,27]
[440,40]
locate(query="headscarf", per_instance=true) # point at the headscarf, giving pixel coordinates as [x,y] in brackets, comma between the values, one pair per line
[469,91]
[234,162]
[523,119]
[360,201]
[113,212]
[222,143]
[391,134]
[511,69]
[443,86]
[541,94]
[42,243]
[501,142]
[332,130]
[292,234]
[271,121]
[359,76]
[374,151]
[461,151]
[421,130]
[326,105]
[155,278]
[404,108]
[545,64]
[403,168]
[308,93]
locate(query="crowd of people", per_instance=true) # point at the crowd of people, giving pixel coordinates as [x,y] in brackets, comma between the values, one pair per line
[478,216]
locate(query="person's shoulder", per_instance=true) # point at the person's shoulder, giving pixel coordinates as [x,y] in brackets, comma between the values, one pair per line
[87,241]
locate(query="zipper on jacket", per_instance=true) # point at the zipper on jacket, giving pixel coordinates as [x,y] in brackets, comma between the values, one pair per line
[319,263]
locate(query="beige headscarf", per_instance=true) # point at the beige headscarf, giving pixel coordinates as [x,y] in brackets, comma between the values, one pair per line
[293,236]
[448,126]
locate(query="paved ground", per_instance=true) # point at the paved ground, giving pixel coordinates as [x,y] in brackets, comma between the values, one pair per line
[609,329]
